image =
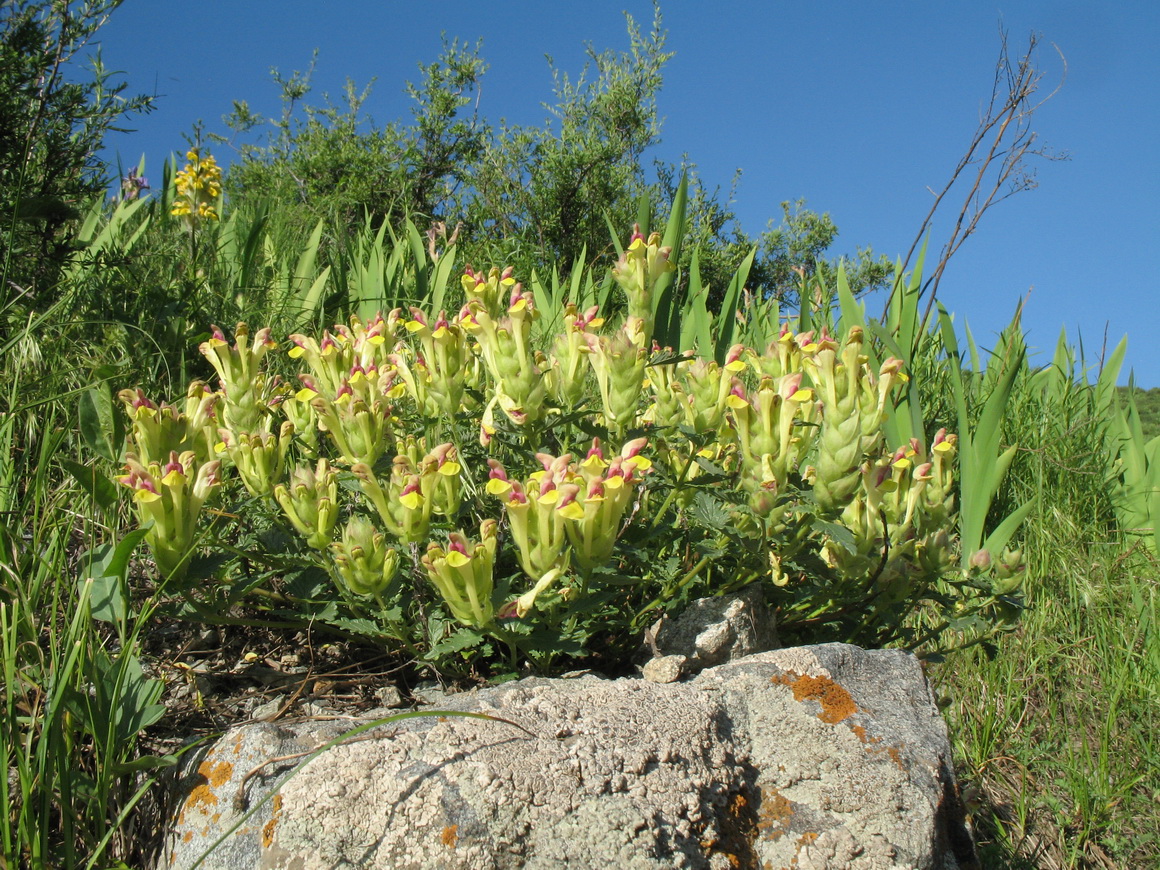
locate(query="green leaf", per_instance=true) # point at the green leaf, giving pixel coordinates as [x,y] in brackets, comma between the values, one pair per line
[441,277]
[853,313]
[311,300]
[1003,533]
[109,566]
[667,308]
[100,489]
[695,327]
[614,232]
[206,566]
[107,601]
[102,427]
[363,627]
[840,535]
[727,321]
[464,638]
[134,697]
[419,257]
[309,583]
[708,512]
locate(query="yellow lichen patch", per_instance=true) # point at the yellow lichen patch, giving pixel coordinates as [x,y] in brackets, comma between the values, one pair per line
[837,704]
[450,836]
[268,828]
[773,818]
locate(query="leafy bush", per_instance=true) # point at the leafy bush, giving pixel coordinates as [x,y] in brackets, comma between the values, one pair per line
[51,130]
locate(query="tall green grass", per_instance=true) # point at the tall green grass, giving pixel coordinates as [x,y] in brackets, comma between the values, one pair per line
[1055,732]
[75,697]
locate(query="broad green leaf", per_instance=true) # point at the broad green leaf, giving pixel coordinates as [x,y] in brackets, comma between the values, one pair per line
[108,571]
[695,326]
[310,303]
[853,312]
[727,321]
[419,260]
[443,271]
[100,489]
[101,424]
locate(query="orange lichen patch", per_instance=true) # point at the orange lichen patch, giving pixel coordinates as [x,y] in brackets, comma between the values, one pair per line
[268,828]
[896,757]
[773,818]
[738,805]
[892,751]
[202,794]
[450,836]
[804,840]
[837,704]
[860,733]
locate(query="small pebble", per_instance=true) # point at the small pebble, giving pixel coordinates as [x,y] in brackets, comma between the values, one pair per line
[664,669]
[268,710]
[389,696]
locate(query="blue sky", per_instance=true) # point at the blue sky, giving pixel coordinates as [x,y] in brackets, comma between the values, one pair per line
[857,107]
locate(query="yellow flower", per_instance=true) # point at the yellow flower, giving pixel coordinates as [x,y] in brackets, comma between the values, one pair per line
[198,184]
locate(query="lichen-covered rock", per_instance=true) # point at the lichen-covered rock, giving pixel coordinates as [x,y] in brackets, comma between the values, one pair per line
[815,757]
[712,631]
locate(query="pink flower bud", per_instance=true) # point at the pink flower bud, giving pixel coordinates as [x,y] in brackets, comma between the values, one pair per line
[981,560]
[174,464]
[633,447]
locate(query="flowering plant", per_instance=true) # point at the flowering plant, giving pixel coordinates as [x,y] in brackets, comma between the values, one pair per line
[199,189]
[465,480]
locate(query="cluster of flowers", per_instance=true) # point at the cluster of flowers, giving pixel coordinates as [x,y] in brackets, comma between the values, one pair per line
[199,187]
[804,414]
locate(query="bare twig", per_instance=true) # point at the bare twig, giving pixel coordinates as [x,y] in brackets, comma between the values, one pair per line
[995,165]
